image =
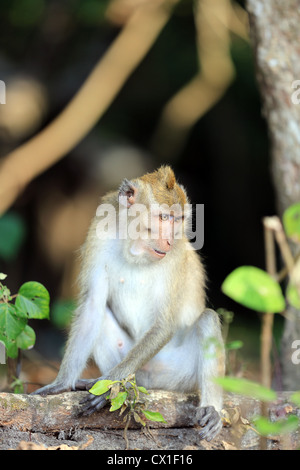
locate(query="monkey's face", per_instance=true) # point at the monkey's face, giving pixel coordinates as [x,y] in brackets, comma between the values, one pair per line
[158,231]
[155,210]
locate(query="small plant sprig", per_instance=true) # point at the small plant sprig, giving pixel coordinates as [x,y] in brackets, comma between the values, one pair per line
[32,301]
[125,395]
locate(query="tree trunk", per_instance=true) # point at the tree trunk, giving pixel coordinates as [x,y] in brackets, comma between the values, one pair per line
[274,26]
[26,416]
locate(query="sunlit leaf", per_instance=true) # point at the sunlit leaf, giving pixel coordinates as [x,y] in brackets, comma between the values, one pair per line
[284,426]
[10,327]
[100,387]
[143,390]
[33,300]
[26,338]
[117,402]
[255,289]
[17,386]
[154,416]
[291,221]
[247,388]
[3,276]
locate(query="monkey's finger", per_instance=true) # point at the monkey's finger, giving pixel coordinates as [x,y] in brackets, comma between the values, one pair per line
[88,399]
[91,404]
[97,406]
[214,431]
[205,414]
[210,431]
[211,422]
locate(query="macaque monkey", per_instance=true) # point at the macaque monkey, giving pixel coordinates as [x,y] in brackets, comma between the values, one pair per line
[142,301]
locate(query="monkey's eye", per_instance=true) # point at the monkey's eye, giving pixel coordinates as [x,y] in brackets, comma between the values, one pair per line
[164,217]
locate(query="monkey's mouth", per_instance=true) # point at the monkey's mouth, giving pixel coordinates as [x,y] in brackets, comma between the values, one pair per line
[159,254]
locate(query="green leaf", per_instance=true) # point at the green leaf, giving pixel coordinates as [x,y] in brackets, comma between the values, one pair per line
[117,402]
[12,234]
[292,295]
[291,222]
[10,327]
[255,289]
[17,386]
[295,398]
[154,416]
[3,276]
[284,426]
[143,390]
[26,339]
[61,312]
[234,345]
[246,387]
[101,387]
[33,300]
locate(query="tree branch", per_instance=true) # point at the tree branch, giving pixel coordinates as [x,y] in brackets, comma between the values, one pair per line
[88,105]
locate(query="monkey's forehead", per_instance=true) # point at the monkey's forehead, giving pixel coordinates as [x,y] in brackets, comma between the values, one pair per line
[164,187]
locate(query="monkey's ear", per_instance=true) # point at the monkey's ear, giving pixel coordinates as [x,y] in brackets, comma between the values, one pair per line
[127,193]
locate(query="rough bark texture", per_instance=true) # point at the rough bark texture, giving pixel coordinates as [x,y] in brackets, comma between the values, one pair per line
[55,413]
[27,422]
[275,36]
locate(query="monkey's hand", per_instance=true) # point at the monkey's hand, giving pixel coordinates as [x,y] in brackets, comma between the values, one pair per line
[211,422]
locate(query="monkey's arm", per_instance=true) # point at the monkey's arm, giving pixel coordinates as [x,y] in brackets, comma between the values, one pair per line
[85,328]
[149,345]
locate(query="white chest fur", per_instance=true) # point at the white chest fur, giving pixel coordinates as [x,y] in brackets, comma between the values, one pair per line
[135,292]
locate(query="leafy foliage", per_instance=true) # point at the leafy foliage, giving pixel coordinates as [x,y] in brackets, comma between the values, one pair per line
[283,426]
[291,222]
[292,294]
[32,301]
[255,289]
[247,388]
[125,395]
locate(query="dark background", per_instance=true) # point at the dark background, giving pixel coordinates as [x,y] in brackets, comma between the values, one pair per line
[224,164]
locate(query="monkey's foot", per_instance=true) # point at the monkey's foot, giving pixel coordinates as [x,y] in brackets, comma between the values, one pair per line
[211,422]
[55,388]
[51,389]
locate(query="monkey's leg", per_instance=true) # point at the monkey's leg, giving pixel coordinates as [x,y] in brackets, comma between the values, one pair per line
[112,346]
[211,365]
[85,331]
